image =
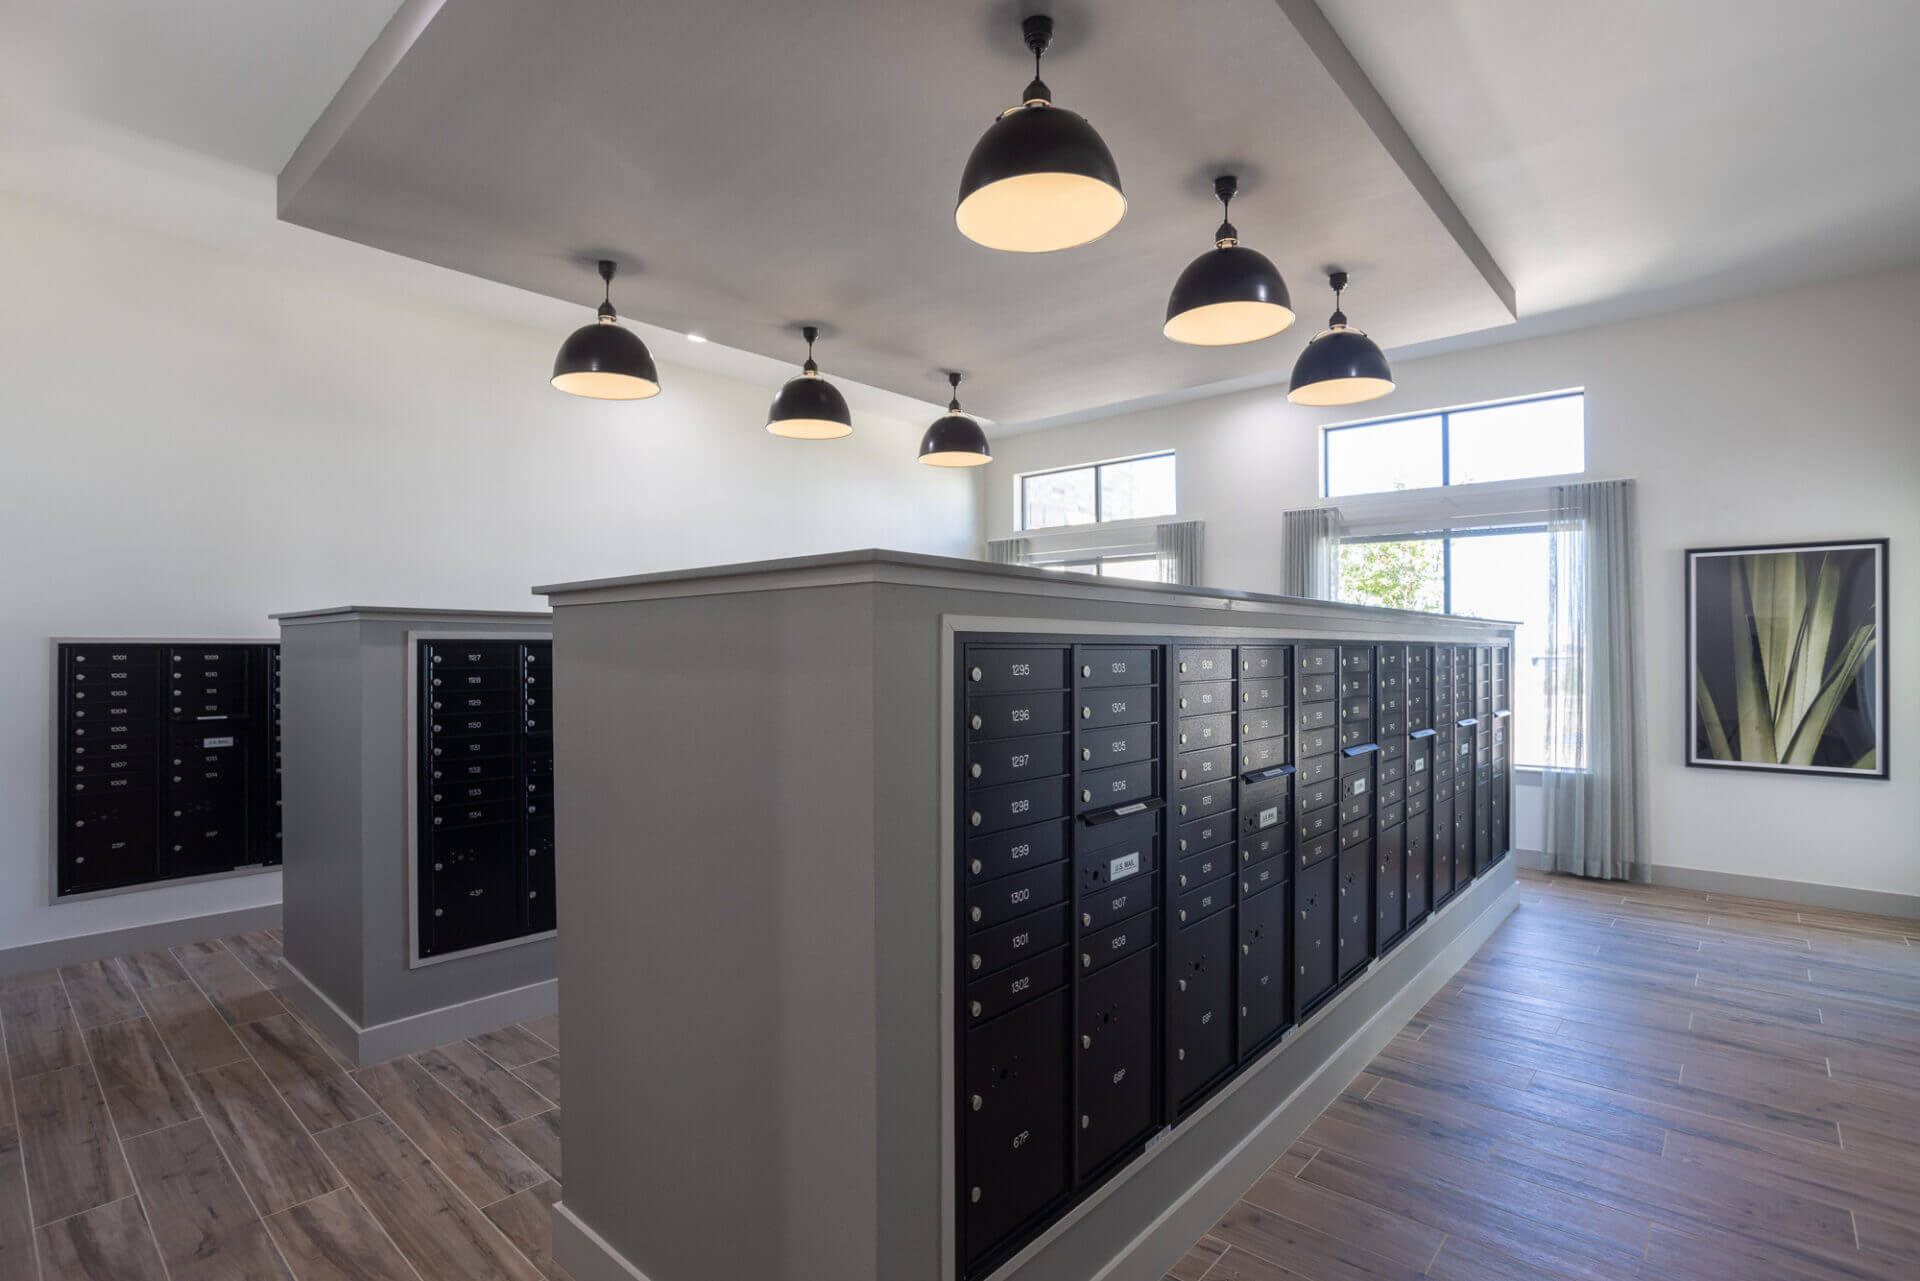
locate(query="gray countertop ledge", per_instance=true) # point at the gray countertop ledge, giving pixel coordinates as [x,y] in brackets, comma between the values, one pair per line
[881,565]
[341,613]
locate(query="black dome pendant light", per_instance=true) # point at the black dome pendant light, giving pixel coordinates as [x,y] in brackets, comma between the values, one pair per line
[1040,178]
[605,360]
[1341,366]
[809,407]
[1230,294]
[955,440]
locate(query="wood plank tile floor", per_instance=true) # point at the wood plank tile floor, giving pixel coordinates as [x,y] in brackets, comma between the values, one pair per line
[167,1117]
[1626,1082]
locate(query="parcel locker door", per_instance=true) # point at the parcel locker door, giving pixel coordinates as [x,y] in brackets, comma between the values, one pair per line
[1314,946]
[1116,1059]
[470,888]
[1355,909]
[1419,878]
[1264,965]
[1014,1148]
[1389,902]
[1200,1022]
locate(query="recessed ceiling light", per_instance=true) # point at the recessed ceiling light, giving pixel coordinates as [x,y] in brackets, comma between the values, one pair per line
[696,337]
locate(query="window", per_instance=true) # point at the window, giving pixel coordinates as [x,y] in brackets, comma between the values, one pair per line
[1130,489]
[1498,573]
[1545,436]
[1144,569]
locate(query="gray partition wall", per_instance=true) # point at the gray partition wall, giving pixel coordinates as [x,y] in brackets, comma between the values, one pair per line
[767,818]
[351,714]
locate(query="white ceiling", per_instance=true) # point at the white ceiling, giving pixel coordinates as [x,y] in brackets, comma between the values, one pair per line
[1616,158]
[1624,156]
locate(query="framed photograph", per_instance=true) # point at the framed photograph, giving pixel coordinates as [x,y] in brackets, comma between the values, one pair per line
[1787,658]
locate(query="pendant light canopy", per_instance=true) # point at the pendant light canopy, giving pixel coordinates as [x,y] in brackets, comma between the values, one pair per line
[1040,178]
[1230,294]
[1341,366]
[955,440]
[606,360]
[809,407]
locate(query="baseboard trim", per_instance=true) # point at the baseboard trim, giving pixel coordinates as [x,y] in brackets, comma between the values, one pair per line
[379,1042]
[1160,1243]
[585,1254]
[1842,898]
[46,955]
[1838,898]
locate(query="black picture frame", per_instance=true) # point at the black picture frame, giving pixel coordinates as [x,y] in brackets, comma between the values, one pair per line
[1861,600]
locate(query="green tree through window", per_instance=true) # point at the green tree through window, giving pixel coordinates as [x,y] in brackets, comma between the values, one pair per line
[1400,575]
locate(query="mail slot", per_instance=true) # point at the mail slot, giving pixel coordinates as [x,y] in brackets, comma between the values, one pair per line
[1117,786]
[471,654]
[1262,723]
[1264,876]
[1263,753]
[1312,716]
[1391,791]
[1016,850]
[1318,743]
[1015,715]
[1392,770]
[1203,901]
[1199,767]
[1355,833]
[992,670]
[993,809]
[1196,870]
[1260,661]
[994,995]
[1190,838]
[1117,942]
[1317,795]
[1206,664]
[1116,745]
[1102,666]
[1204,697]
[1319,689]
[1131,831]
[1312,660]
[1195,732]
[1313,769]
[1266,691]
[1265,844]
[1356,658]
[998,901]
[1199,802]
[1029,935]
[1319,822]
[1392,815]
[1008,760]
[1128,706]
[1357,805]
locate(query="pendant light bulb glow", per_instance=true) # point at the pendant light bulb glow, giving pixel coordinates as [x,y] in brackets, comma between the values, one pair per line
[955,440]
[1230,294]
[1341,366]
[1040,178]
[606,360]
[809,407]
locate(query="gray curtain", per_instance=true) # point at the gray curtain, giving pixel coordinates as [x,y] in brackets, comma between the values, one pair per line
[1178,542]
[1311,553]
[1008,551]
[1596,783]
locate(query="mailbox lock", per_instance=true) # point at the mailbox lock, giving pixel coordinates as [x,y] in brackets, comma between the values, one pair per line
[975,722]
[1086,918]
[1086,1042]
[975,913]
[975,673]
[1181,1055]
[978,1102]
[1086,961]
[1183,666]
[1086,671]
[975,1196]
[975,769]
[1245,950]
[1086,713]
[974,818]
[974,960]
[973,1008]
[975,867]
[1086,793]
[1085,1121]
[1086,753]
[1183,985]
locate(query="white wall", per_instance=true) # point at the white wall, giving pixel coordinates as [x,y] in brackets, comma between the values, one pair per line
[1789,416]
[191,438]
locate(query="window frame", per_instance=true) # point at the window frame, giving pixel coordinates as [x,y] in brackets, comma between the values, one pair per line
[1446,442]
[1099,518]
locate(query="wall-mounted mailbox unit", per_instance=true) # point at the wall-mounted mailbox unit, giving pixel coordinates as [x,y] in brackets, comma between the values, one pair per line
[483,792]
[167,761]
[419,887]
[1017,902]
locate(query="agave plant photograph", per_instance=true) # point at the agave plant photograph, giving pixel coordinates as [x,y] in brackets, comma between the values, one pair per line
[1786,658]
